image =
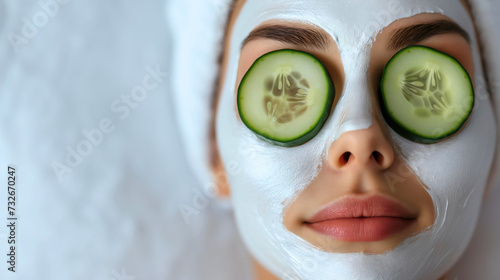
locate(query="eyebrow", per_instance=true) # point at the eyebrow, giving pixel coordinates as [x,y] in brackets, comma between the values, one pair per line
[318,39]
[297,36]
[413,34]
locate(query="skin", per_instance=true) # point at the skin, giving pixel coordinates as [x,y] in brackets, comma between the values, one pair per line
[361,174]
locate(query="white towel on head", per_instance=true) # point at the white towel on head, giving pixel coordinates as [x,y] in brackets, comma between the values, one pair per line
[488,22]
[197,28]
[481,259]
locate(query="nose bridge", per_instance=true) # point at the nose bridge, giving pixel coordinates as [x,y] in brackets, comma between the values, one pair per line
[359,139]
[355,108]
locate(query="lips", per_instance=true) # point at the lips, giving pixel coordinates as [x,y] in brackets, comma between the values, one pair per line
[362,219]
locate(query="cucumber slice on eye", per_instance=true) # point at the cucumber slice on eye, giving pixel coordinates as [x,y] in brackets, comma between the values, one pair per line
[285,97]
[426,95]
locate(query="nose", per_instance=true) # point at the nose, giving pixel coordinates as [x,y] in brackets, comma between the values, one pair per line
[365,148]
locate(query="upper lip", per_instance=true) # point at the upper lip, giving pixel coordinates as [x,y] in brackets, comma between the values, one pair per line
[355,207]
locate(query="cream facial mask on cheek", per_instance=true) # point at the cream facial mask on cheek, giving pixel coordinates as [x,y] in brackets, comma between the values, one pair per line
[272,176]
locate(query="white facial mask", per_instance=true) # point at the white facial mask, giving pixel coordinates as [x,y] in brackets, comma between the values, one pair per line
[455,170]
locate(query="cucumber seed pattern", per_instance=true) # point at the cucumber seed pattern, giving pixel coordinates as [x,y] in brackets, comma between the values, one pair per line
[424,89]
[286,96]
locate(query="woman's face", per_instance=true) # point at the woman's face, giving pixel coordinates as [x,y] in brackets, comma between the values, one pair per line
[358,186]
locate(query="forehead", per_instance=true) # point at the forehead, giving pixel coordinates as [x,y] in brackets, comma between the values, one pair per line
[351,23]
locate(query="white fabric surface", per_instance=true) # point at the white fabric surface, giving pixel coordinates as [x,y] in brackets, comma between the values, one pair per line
[116,215]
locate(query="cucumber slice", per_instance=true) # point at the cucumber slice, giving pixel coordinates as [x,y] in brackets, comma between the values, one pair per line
[285,97]
[426,95]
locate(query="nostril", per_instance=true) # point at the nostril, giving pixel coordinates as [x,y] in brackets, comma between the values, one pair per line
[344,159]
[379,158]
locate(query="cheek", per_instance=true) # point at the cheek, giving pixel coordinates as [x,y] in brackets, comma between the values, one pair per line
[455,169]
[267,171]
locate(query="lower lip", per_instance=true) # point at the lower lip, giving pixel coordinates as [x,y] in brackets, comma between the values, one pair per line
[361,229]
